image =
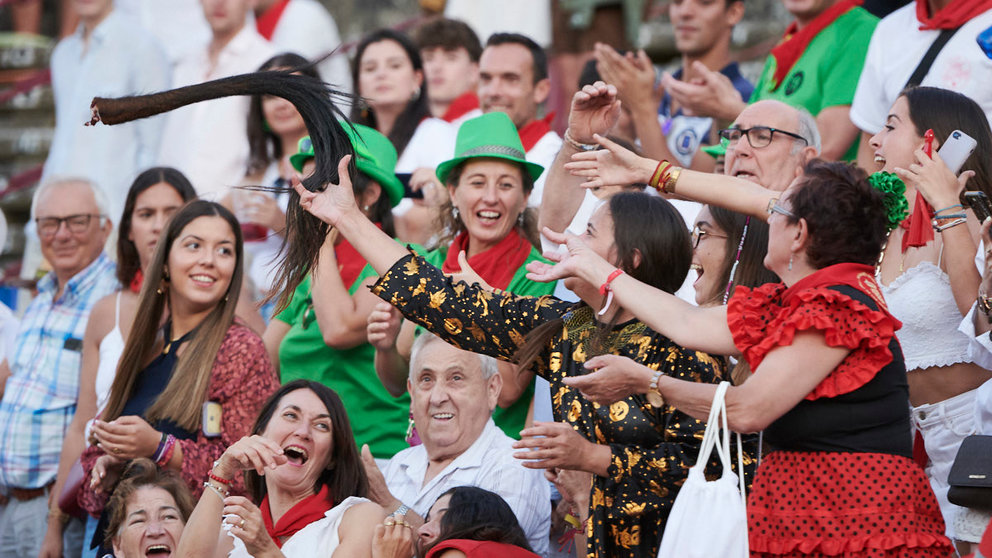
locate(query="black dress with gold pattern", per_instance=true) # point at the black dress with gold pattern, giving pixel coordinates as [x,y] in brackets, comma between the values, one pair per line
[652,447]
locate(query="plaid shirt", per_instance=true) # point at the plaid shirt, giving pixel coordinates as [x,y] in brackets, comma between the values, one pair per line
[40,398]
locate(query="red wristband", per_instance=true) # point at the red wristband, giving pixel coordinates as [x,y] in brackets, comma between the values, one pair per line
[212,476]
[606,286]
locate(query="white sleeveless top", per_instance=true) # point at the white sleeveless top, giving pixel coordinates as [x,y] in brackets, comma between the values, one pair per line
[317,540]
[921,298]
[111,349]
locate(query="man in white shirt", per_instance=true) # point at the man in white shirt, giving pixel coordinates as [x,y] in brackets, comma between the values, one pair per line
[107,56]
[208,141]
[453,394]
[306,28]
[513,78]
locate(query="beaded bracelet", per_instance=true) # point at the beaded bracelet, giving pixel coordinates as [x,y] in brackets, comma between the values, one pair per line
[951,216]
[170,447]
[579,146]
[942,228]
[220,491]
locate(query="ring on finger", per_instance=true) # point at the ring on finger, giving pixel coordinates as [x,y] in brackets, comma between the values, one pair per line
[242,524]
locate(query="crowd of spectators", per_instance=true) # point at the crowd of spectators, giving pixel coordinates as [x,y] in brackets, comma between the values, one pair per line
[508,334]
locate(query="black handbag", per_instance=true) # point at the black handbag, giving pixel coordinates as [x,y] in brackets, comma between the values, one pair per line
[971,474]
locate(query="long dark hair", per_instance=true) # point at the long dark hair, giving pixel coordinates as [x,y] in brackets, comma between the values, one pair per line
[183,396]
[128,262]
[478,515]
[944,111]
[646,228]
[343,474]
[416,110]
[264,146]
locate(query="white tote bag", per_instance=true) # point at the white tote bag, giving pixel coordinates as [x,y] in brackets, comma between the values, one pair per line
[709,519]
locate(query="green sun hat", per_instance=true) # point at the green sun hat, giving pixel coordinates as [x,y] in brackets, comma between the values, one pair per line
[491,135]
[374,155]
[717,150]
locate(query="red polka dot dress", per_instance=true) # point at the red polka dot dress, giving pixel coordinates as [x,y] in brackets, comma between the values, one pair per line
[840,481]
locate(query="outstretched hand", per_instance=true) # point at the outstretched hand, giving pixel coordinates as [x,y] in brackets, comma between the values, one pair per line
[613,166]
[577,261]
[335,201]
[611,379]
[595,110]
[710,94]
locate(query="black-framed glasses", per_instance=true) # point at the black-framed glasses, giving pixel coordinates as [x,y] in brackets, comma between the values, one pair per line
[698,234]
[776,208]
[77,224]
[757,136]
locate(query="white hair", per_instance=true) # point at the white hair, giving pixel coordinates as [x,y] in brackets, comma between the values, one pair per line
[808,130]
[487,364]
[102,203]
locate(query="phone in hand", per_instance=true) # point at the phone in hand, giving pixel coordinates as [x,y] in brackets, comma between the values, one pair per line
[211,419]
[979,203]
[407,191]
[956,150]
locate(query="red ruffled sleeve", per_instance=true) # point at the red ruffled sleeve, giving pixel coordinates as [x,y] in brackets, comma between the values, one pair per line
[762,319]
[241,379]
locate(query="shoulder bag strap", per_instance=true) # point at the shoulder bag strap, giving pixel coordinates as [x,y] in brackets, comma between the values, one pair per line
[927,61]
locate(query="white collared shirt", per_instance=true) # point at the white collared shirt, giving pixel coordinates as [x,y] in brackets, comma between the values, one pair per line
[208,141]
[307,28]
[489,464]
[119,59]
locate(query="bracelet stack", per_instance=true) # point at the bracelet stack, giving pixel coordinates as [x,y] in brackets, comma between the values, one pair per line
[664,177]
[217,483]
[165,450]
[579,146]
[943,221]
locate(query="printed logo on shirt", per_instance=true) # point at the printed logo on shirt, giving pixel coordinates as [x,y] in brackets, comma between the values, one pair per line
[794,83]
[686,142]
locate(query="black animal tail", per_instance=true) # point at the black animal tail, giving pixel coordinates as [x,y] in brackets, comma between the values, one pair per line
[324,120]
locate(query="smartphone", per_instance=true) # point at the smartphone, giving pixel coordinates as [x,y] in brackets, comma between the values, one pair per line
[211,419]
[956,150]
[407,192]
[979,203]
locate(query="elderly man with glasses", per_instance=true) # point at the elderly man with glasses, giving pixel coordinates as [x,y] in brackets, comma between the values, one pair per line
[40,378]
[769,143]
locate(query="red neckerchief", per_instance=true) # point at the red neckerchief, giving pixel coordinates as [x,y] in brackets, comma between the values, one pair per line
[954,15]
[461,106]
[918,226]
[305,512]
[795,40]
[854,275]
[136,281]
[533,131]
[266,23]
[496,265]
[350,262]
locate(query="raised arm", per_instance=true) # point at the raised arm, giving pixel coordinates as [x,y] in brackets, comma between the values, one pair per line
[617,165]
[342,316]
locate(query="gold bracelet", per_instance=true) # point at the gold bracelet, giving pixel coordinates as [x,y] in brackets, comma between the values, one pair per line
[673,176]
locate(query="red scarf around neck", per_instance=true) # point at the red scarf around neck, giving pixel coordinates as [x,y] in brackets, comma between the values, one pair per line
[461,106]
[533,131]
[854,275]
[954,15]
[305,512]
[795,40]
[350,262]
[266,23]
[497,265]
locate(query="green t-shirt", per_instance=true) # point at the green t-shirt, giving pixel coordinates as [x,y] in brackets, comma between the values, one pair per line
[377,418]
[827,73]
[513,418]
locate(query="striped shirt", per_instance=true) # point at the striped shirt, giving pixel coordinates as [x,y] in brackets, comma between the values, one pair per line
[40,398]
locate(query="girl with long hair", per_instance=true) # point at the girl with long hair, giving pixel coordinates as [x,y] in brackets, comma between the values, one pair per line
[184,390]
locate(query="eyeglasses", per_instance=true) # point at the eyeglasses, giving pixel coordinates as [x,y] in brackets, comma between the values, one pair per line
[776,208]
[757,136]
[77,224]
[698,234]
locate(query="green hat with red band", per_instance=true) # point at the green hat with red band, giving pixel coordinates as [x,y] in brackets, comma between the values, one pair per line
[374,155]
[491,135]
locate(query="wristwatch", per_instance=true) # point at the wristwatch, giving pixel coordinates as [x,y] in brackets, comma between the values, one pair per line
[985,304]
[400,511]
[654,395]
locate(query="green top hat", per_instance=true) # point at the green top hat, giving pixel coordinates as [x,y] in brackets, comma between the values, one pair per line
[491,135]
[717,150]
[374,155]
